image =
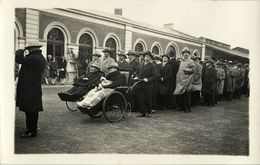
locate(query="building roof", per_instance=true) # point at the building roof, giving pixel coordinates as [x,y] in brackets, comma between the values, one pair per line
[136,24]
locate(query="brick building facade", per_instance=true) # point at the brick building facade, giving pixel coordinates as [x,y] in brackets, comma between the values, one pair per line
[86,32]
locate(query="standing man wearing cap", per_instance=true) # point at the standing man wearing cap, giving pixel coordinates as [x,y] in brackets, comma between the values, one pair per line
[29,91]
[239,77]
[133,61]
[231,73]
[95,59]
[221,76]
[147,74]
[184,80]
[175,67]
[196,83]
[106,61]
[122,63]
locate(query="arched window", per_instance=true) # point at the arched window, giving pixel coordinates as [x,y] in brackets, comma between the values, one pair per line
[55,43]
[155,50]
[85,51]
[139,47]
[111,44]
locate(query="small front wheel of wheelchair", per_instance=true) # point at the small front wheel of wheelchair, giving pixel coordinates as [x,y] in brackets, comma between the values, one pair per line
[72,106]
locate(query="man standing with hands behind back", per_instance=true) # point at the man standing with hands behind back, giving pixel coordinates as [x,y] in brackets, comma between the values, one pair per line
[29,91]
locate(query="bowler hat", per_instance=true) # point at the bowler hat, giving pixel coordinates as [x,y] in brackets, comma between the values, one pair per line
[113,65]
[94,64]
[148,53]
[106,50]
[166,55]
[186,49]
[131,52]
[121,53]
[97,54]
[33,44]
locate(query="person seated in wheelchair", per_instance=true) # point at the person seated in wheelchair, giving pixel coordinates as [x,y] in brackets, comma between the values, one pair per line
[84,83]
[107,84]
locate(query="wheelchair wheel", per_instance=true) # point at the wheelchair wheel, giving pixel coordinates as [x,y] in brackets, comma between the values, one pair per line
[72,106]
[114,106]
[128,110]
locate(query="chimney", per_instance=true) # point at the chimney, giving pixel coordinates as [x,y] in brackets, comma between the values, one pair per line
[168,25]
[118,11]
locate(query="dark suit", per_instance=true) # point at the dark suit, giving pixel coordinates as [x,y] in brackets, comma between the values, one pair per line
[29,91]
[123,65]
[165,73]
[175,67]
[144,94]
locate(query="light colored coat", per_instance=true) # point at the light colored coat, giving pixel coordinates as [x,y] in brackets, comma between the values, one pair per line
[231,72]
[221,76]
[185,76]
[197,83]
[104,63]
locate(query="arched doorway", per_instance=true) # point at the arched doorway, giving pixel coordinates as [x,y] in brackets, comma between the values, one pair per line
[55,43]
[85,52]
[111,44]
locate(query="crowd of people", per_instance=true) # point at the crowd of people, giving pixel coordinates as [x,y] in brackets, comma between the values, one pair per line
[164,81]
[169,83]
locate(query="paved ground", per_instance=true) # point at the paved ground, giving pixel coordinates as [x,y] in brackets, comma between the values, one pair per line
[222,130]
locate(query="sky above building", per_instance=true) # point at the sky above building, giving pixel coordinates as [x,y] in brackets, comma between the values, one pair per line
[232,22]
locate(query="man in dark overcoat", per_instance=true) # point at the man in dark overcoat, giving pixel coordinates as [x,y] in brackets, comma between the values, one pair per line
[29,91]
[147,74]
[165,73]
[133,61]
[175,67]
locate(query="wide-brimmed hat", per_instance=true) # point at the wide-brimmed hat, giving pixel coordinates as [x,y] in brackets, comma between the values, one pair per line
[113,65]
[94,64]
[166,55]
[33,44]
[106,50]
[122,53]
[186,49]
[97,54]
[148,53]
[131,52]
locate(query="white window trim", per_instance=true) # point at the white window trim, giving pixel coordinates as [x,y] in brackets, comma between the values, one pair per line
[172,43]
[19,27]
[62,27]
[156,43]
[92,35]
[116,38]
[140,40]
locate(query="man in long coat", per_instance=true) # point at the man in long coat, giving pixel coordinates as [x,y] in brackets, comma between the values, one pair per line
[221,76]
[172,102]
[196,83]
[133,61]
[239,78]
[147,74]
[29,91]
[230,87]
[209,83]
[184,80]
[165,75]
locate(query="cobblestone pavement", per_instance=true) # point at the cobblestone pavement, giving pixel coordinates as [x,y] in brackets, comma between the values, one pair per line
[221,130]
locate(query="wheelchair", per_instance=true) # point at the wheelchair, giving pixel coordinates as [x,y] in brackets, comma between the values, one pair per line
[114,106]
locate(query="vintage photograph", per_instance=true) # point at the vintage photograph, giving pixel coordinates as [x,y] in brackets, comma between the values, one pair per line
[141,77]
